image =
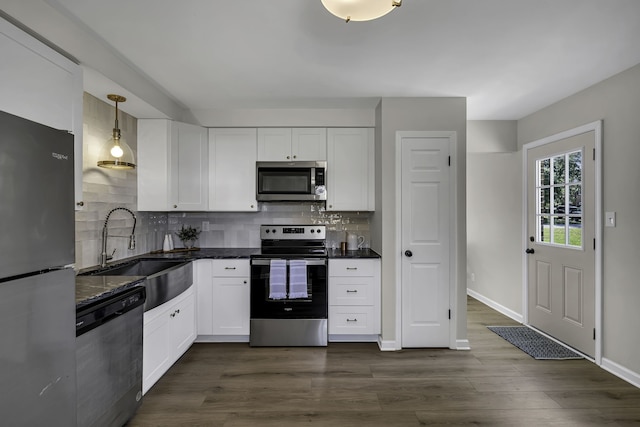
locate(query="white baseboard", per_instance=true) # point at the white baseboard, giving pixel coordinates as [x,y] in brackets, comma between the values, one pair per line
[496,306]
[463,345]
[387,345]
[221,338]
[353,338]
[621,372]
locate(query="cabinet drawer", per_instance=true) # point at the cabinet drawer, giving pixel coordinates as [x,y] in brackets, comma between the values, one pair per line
[352,267]
[230,267]
[351,291]
[352,321]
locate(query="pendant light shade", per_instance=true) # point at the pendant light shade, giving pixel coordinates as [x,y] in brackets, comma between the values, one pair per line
[116,153]
[360,10]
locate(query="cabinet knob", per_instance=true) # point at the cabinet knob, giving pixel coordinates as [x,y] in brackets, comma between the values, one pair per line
[175,206]
[295,157]
[80,203]
[251,206]
[288,157]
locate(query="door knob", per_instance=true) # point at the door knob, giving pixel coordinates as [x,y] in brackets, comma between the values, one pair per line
[408,253]
[530,250]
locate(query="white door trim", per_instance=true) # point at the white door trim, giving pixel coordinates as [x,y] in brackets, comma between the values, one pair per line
[596,127]
[453,233]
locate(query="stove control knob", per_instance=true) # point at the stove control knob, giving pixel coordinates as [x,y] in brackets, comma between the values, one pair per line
[318,230]
[273,231]
[267,231]
[313,231]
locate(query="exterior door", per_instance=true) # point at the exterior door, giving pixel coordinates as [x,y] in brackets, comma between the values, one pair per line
[561,240]
[425,238]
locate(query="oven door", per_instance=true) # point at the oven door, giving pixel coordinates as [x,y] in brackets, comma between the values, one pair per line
[314,306]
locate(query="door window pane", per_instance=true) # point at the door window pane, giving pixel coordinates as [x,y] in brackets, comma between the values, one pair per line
[558,170]
[545,200]
[559,195]
[575,231]
[545,171]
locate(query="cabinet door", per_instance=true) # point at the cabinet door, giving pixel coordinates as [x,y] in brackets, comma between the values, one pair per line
[232,179]
[153,164]
[350,169]
[188,175]
[204,296]
[274,145]
[309,144]
[231,300]
[156,346]
[183,324]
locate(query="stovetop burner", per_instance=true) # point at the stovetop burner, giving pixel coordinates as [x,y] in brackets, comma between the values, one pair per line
[293,241]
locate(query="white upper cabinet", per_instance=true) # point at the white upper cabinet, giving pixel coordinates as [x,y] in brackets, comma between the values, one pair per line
[350,169]
[232,177]
[297,144]
[173,166]
[41,85]
[309,144]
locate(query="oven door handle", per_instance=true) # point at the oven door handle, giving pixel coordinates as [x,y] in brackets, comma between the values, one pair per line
[310,261]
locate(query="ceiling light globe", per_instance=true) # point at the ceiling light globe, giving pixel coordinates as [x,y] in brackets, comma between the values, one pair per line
[360,10]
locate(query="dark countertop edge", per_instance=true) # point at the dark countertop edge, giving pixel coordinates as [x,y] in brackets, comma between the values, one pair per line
[360,253]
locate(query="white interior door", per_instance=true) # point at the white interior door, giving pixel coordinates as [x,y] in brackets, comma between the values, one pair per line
[561,247]
[425,240]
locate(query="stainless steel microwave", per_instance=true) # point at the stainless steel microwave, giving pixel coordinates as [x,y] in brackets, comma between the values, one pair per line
[291,181]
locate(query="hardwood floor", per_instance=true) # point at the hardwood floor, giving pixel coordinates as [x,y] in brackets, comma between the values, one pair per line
[345,384]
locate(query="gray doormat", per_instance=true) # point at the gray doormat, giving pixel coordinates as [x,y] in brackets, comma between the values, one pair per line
[534,344]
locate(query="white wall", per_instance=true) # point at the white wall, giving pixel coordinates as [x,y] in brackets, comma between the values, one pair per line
[617,102]
[415,114]
[494,224]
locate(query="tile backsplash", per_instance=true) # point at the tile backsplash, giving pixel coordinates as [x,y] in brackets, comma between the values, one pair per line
[242,229]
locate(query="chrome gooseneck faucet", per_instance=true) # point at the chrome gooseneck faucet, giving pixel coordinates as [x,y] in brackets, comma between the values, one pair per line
[104,257]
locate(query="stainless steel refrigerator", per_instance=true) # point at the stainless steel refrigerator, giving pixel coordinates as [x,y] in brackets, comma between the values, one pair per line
[37,280]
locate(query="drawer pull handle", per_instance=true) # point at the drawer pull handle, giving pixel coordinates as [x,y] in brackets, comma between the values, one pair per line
[352,292]
[229,268]
[352,268]
[352,320]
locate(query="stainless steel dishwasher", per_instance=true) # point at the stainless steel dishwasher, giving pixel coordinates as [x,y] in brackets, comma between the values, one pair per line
[109,359]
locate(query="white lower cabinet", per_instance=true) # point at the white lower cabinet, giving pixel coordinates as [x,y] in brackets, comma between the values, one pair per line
[169,331]
[223,300]
[354,299]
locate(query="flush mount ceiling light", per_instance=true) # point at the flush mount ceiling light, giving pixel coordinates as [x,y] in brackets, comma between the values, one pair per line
[360,10]
[116,153]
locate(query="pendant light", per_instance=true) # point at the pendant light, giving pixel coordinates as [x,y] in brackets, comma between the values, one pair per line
[360,10]
[116,153]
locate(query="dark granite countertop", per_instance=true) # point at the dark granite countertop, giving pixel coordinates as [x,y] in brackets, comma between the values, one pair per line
[360,253]
[92,288]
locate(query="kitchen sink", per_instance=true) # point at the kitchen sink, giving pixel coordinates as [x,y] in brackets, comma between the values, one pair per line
[165,279]
[141,267]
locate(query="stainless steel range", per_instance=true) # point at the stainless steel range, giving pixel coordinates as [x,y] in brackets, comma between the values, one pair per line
[289,287]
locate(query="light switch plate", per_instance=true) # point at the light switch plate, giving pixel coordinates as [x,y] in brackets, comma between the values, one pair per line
[609,219]
[205,226]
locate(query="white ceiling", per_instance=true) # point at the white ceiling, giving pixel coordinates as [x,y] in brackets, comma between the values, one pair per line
[508,57]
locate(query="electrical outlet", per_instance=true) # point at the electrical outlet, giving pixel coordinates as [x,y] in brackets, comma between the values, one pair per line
[205,225]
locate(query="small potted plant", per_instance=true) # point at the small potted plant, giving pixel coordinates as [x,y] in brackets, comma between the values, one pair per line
[188,236]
